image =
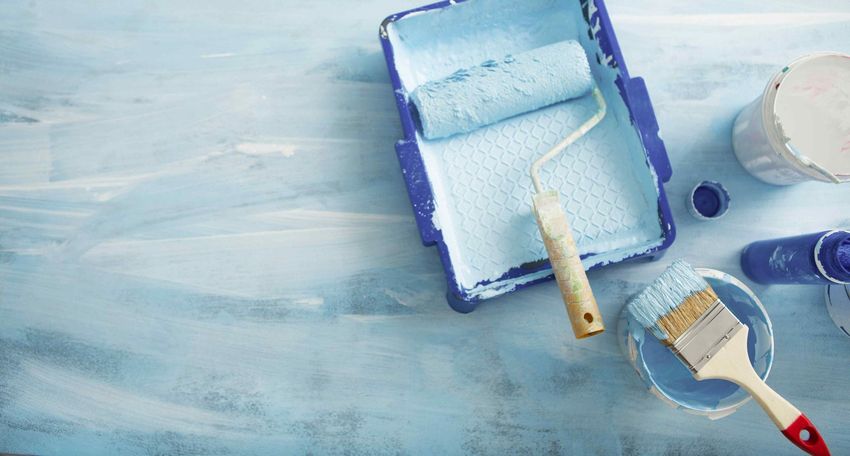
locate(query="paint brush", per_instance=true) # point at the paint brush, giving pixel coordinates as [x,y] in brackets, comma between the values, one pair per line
[682,310]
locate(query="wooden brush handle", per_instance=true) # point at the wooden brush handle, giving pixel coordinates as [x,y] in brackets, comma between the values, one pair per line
[566,264]
[732,363]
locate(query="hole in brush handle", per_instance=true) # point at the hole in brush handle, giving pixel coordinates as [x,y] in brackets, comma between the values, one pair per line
[805,435]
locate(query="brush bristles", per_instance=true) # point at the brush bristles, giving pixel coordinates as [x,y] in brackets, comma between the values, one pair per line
[678,320]
[674,301]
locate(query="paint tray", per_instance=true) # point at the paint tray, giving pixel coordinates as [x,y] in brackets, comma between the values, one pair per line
[471,193]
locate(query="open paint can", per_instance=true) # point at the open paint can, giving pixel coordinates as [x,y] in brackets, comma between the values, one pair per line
[838,306]
[708,200]
[669,380]
[799,128]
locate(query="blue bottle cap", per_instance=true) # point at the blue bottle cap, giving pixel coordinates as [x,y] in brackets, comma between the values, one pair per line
[709,200]
[831,256]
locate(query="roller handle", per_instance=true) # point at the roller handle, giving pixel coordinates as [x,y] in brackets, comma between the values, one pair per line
[566,264]
[732,363]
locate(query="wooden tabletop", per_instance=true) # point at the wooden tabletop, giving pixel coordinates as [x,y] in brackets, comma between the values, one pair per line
[206,246]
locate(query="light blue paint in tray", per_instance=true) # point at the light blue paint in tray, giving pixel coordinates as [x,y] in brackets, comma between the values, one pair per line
[477,192]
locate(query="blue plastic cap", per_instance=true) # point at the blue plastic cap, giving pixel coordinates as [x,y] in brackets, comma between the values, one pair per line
[709,200]
[831,256]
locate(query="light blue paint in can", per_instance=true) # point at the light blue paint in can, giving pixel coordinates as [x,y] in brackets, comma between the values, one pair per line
[668,379]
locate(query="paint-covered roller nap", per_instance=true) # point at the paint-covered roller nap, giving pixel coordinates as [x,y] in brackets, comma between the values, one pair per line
[498,89]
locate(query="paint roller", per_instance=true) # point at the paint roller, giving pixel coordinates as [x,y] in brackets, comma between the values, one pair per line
[495,90]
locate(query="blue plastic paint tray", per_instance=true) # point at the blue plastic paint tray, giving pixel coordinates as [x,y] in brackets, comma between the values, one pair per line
[471,193]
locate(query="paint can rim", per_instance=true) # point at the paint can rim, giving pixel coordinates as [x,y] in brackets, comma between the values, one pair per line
[837,294]
[782,146]
[819,261]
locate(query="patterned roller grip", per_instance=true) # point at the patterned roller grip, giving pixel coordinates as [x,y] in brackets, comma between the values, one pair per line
[566,264]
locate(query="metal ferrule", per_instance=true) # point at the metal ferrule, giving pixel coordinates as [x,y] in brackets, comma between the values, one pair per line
[706,336]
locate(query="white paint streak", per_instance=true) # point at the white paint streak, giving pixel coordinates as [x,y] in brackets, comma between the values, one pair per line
[33,210]
[314,255]
[218,56]
[733,20]
[287,150]
[334,217]
[65,395]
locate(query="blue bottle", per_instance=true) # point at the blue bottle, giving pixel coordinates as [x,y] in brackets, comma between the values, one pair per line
[816,258]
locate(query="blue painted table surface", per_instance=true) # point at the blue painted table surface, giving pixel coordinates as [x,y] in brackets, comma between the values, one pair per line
[206,246]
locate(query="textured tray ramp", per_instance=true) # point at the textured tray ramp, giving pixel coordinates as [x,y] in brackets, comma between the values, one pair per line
[483,191]
[480,182]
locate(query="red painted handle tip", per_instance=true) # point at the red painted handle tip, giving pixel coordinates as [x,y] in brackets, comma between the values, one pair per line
[804,434]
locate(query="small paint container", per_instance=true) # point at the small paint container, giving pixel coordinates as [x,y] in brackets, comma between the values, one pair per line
[838,306]
[708,200]
[668,379]
[816,258]
[797,130]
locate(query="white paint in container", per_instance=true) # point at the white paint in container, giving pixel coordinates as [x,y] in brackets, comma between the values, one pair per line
[799,128]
